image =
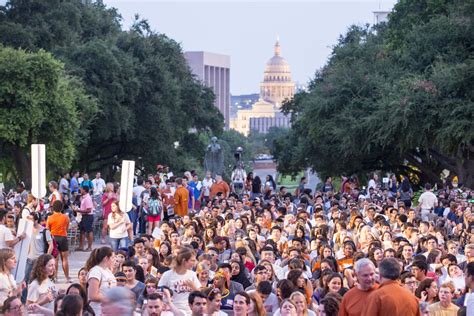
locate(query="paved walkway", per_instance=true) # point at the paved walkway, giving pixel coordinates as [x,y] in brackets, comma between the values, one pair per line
[77,260]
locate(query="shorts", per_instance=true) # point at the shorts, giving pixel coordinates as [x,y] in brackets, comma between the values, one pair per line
[153,218]
[63,244]
[86,224]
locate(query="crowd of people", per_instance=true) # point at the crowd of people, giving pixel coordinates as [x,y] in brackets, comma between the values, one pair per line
[192,246]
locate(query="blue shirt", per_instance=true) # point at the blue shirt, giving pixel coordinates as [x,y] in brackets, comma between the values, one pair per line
[74,185]
[197,193]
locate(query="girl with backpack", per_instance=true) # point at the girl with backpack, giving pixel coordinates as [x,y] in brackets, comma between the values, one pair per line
[153,210]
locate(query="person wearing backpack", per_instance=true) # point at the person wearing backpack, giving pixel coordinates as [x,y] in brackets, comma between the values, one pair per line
[153,210]
[41,243]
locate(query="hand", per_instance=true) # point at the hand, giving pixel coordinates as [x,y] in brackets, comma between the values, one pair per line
[424,296]
[34,308]
[190,284]
[22,236]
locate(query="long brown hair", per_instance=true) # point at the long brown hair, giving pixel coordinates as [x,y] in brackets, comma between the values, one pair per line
[97,255]
[257,300]
[5,254]
[38,272]
[118,209]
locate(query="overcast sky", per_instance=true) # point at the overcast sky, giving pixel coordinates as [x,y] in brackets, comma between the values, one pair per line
[247,30]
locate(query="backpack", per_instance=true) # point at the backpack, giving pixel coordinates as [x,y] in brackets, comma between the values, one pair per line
[55,251]
[154,207]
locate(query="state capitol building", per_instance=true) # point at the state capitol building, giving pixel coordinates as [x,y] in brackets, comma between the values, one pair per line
[274,90]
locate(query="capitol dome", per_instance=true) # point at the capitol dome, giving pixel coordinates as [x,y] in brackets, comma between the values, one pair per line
[277,85]
[277,68]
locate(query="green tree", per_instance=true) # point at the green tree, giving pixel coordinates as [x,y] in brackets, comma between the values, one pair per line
[398,97]
[145,92]
[39,103]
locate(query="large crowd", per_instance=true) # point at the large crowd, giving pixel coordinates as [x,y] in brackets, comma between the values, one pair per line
[194,245]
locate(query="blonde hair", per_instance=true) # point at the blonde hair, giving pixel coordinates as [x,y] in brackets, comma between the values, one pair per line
[297,293]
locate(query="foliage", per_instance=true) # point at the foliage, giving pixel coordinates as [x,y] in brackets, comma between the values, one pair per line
[397,97]
[146,95]
[39,103]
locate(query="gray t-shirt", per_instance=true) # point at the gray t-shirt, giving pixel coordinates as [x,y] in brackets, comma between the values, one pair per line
[37,243]
[138,289]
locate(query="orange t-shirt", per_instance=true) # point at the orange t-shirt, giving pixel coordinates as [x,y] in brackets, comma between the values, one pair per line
[58,224]
[219,187]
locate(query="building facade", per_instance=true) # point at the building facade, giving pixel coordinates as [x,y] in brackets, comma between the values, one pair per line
[276,87]
[214,71]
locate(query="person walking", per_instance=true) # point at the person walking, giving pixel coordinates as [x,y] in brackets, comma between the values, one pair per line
[100,277]
[87,221]
[119,225]
[181,197]
[58,225]
[108,198]
[390,298]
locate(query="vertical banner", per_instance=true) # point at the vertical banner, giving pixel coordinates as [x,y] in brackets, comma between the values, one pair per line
[126,185]
[38,170]
[21,249]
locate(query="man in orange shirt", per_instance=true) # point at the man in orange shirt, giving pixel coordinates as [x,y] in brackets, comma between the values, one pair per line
[181,197]
[353,301]
[220,186]
[391,298]
[58,225]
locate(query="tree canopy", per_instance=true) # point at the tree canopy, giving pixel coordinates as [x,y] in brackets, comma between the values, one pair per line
[147,99]
[397,97]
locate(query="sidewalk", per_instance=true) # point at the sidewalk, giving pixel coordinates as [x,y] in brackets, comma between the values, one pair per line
[77,260]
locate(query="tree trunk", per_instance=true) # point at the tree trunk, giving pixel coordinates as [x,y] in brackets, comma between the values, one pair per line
[22,164]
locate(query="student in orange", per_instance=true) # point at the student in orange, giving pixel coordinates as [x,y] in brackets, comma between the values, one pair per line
[181,197]
[354,300]
[220,186]
[390,298]
[58,225]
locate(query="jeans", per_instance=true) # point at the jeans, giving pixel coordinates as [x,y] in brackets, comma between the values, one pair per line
[133,219]
[28,268]
[117,243]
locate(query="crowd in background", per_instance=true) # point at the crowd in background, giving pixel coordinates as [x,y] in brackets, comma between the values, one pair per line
[191,245]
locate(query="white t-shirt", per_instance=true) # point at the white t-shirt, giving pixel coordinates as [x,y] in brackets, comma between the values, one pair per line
[37,291]
[206,186]
[106,281]
[99,186]
[181,293]
[137,191]
[427,200]
[63,185]
[120,231]
[7,286]
[5,235]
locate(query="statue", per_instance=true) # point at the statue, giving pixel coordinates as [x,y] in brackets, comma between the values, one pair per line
[214,158]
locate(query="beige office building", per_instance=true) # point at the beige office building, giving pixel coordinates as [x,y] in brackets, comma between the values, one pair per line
[214,71]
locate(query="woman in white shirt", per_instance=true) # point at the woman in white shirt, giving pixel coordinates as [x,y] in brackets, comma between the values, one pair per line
[119,225]
[100,276]
[181,279]
[42,290]
[8,285]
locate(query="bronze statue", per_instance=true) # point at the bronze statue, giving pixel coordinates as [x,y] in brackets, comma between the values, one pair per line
[214,158]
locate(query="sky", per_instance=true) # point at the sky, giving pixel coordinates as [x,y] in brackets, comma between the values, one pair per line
[247,30]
